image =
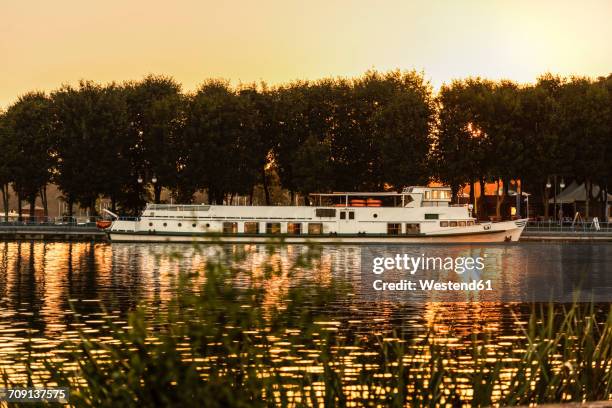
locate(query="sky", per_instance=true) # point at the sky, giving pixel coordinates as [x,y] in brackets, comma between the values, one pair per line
[44,44]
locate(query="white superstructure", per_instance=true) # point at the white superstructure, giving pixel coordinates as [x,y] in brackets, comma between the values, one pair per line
[417,214]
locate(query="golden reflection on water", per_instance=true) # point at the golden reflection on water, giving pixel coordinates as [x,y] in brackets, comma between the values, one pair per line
[51,291]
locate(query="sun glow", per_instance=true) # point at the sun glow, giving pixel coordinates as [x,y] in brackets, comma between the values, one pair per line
[50,43]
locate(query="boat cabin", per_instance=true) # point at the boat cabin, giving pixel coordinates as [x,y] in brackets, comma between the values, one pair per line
[410,197]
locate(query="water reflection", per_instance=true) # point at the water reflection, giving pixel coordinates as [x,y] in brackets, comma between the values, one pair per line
[49,291]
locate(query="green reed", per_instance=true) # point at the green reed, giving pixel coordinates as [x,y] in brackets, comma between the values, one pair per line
[222,343]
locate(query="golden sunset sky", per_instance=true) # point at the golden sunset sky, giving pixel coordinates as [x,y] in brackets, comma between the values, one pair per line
[46,43]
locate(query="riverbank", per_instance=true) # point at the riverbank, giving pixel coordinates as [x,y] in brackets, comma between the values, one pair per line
[92,233]
[52,233]
[566,236]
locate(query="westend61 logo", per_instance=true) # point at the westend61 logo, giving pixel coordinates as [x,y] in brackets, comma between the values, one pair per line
[404,263]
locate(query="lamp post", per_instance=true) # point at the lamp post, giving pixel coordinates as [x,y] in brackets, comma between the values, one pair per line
[561,186]
[141,181]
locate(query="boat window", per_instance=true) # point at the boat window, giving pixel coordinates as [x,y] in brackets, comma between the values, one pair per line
[342,215]
[394,229]
[251,228]
[230,227]
[165,224]
[432,216]
[453,224]
[150,224]
[462,223]
[375,215]
[179,224]
[315,228]
[294,228]
[325,212]
[193,225]
[444,224]
[470,223]
[273,228]
[351,215]
[412,229]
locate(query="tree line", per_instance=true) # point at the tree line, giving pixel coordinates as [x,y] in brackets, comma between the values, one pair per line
[129,141]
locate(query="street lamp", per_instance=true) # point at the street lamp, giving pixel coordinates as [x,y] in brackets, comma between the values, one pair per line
[140,180]
[562,186]
[154,179]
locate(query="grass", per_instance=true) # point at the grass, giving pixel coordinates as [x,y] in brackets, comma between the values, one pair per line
[221,343]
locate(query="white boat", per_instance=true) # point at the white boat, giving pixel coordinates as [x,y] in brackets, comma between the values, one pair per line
[416,215]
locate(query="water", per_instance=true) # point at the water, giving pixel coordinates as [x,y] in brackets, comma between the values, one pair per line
[49,291]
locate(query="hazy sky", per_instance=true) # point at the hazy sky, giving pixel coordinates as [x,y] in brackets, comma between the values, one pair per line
[46,43]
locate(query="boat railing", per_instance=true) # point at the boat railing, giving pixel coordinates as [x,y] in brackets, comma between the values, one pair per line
[178,207]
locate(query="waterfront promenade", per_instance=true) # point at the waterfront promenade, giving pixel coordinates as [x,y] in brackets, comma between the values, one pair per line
[51,232]
[535,231]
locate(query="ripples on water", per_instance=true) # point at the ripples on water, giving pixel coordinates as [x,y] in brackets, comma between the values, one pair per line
[48,291]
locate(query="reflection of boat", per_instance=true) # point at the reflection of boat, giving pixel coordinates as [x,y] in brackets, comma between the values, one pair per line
[416,215]
[103,224]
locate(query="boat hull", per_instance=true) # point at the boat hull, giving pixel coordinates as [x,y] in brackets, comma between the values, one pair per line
[497,233]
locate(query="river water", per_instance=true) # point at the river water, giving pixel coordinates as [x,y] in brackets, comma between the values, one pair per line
[50,291]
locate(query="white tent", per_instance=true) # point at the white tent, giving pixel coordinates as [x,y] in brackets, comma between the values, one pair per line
[576,192]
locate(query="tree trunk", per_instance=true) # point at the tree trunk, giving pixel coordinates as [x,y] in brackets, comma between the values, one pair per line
[70,204]
[498,200]
[113,203]
[483,212]
[157,191]
[5,201]
[43,200]
[264,180]
[606,202]
[454,193]
[545,202]
[32,201]
[588,187]
[519,202]
[473,197]
[19,207]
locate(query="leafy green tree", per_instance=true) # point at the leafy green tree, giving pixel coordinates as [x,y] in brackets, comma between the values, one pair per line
[7,156]
[261,134]
[311,173]
[305,111]
[403,127]
[156,114]
[584,118]
[543,153]
[29,121]
[462,146]
[92,143]
[219,128]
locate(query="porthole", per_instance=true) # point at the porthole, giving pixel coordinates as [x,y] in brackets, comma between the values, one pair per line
[165,224]
[193,225]
[180,225]
[207,225]
[375,215]
[150,224]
